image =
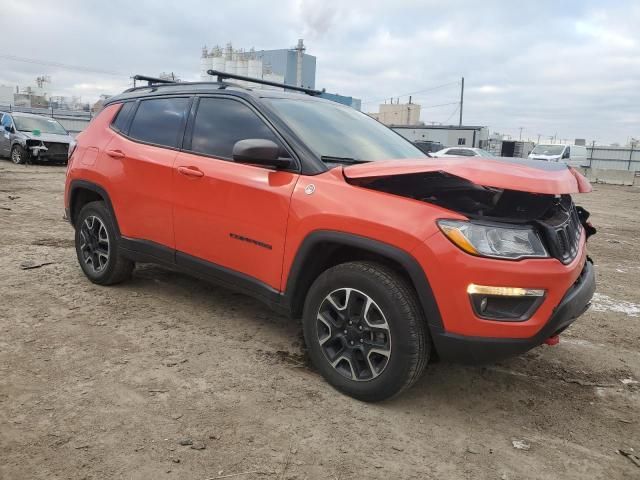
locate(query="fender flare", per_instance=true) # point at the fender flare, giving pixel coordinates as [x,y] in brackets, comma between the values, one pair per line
[93,187]
[416,273]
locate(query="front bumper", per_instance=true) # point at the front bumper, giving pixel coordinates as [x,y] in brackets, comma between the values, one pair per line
[475,350]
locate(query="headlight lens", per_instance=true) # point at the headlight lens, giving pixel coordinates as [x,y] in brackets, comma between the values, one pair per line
[493,241]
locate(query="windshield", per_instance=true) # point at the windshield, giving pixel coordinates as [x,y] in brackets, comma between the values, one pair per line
[548,149]
[340,133]
[45,125]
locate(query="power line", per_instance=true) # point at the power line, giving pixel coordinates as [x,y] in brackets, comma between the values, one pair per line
[61,65]
[452,113]
[428,89]
[440,105]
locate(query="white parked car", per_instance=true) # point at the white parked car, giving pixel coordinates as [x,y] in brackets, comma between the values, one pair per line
[574,155]
[463,152]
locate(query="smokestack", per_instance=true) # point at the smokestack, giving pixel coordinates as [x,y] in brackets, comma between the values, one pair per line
[299,56]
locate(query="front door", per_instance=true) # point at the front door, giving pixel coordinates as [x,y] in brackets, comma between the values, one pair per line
[229,214]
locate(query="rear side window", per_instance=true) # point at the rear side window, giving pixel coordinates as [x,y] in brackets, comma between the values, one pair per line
[159,121]
[122,118]
[460,152]
[221,122]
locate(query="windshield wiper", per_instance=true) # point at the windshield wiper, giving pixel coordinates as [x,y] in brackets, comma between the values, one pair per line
[347,160]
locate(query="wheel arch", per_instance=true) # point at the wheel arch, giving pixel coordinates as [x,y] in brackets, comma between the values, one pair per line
[82,192]
[323,249]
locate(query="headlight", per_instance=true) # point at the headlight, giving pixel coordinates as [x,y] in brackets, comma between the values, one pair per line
[494,241]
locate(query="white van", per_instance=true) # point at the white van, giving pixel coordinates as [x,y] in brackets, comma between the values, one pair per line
[574,155]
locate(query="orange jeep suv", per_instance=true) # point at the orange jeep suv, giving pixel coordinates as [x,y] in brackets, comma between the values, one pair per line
[388,256]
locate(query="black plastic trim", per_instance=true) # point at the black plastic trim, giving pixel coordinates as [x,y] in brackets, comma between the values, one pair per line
[415,272]
[150,252]
[478,350]
[94,187]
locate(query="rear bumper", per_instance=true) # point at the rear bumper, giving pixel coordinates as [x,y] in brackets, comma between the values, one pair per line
[476,350]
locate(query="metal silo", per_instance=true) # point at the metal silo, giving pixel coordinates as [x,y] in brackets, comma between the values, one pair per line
[205,64]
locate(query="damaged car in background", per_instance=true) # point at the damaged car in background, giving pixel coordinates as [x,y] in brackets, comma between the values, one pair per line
[26,138]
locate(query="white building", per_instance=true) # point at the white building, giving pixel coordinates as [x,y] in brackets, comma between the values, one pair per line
[445,135]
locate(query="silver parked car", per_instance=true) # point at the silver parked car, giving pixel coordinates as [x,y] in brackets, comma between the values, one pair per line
[25,137]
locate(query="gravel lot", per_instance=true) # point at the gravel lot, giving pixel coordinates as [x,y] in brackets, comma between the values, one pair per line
[103,383]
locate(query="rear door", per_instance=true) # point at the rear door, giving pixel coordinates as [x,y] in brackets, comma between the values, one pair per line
[142,155]
[228,214]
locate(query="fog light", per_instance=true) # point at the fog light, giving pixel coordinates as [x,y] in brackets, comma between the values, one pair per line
[506,304]
[474,289]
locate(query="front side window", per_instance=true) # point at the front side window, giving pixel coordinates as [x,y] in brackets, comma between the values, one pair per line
[42,124]
[159,121]
[221,122]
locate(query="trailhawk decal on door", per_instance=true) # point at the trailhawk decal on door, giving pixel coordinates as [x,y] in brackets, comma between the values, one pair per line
[250,240]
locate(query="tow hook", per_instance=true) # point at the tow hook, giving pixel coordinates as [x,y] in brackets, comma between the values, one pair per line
[552,340]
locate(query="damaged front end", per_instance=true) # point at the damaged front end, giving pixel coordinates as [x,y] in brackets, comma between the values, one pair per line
[45,150]
[552,217]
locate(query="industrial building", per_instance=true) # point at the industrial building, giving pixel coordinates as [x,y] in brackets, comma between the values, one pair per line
[290,65]
[398,113]
[38,95]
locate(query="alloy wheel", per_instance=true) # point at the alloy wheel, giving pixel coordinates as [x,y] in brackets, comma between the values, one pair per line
[16,156]
[353,334]
[94,245]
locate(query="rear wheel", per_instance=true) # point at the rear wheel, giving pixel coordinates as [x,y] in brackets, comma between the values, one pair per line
[97,246]
[18,155]
[365,331]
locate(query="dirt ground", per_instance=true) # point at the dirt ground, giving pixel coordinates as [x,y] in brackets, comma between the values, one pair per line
[103,383]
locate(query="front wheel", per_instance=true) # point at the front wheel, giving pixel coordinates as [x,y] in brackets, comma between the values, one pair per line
[365,331]
[18,155]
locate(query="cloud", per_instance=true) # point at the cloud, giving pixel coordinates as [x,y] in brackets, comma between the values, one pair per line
[569,67]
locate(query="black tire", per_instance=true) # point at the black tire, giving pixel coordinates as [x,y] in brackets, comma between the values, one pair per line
[18,155]
[395,305]
[115,268]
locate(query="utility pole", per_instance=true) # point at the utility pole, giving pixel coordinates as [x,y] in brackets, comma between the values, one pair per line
[461,100]
[520,137]
[538,142]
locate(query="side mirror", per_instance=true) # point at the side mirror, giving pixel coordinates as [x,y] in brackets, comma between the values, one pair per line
[7,128]
[259,151]
[566,154]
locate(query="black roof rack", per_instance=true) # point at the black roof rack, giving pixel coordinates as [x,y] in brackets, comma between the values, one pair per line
[150,80]
[223,75]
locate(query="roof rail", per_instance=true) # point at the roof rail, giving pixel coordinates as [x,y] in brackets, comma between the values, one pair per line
[150,80]
[223,75]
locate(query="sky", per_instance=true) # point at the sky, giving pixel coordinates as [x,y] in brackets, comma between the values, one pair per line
[566,68]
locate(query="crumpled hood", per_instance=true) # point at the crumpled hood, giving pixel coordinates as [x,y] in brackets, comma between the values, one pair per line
[48,137]
[533,176]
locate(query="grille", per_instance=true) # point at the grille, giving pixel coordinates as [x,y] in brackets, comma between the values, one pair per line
[57,149]
[562,233]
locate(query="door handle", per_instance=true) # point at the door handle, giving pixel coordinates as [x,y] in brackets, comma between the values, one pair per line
[115,153]
[190,171]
